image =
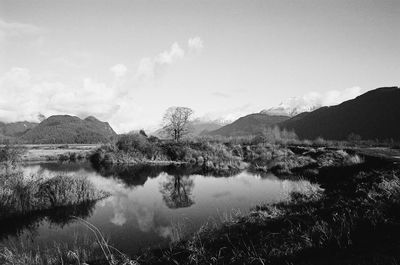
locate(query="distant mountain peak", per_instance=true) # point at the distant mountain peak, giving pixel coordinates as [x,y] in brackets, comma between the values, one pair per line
[251,124]
[291,107]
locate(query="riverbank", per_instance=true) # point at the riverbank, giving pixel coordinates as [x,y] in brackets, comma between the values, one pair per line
[354,220]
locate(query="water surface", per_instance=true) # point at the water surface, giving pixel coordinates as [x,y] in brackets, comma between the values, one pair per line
[150,203]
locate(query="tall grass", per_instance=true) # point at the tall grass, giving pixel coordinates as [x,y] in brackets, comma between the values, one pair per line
[20,195]
[86,249]
[354,221]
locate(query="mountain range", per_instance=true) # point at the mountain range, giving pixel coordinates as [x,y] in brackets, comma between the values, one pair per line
[15,129]
[59,129]
[373,115]
[249,125]
[289,110]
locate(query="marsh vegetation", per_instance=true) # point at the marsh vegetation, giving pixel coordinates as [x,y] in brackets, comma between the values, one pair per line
[347,198]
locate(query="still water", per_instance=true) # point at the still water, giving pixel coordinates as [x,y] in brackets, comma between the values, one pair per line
[149,204]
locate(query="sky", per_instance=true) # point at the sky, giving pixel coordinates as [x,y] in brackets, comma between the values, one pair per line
[126,62]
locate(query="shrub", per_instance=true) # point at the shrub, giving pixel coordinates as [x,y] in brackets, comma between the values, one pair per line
[21,194]
[10,155]
[137,144]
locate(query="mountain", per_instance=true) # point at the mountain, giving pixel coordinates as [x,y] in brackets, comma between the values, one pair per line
[69,129]
[200,127]
[249,125]
[16,129]
[292,107]
[373,115]
[286,110]
[196,127]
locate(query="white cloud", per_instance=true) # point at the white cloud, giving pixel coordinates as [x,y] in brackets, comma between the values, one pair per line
[25,94]
[195,44]
[150,67]
[329,98]
[229,114]
[15,30]
[169,57]
[119,70]
[314,100]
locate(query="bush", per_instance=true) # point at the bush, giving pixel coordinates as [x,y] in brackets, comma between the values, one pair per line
[10,155]
[137,144]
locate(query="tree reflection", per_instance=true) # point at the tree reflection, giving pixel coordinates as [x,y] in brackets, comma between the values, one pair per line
[177,191]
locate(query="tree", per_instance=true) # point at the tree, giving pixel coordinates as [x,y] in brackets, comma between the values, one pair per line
[177,191]
[176,121]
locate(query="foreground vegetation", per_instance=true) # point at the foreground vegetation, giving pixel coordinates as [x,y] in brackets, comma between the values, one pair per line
[138,148]
[275,150]
[354,220]
[22,195]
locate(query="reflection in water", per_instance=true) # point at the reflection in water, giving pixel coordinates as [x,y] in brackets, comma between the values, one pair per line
[58,217]
[177,191]
[147,202]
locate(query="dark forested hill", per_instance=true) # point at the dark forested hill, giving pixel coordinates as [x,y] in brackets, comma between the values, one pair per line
[249,125]
[373,115]
[16,129]
[69,129]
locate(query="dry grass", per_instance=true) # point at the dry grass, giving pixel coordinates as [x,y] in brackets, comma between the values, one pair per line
[21,195]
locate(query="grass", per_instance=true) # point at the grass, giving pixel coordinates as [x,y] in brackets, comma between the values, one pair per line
[93,249]
[355,220]
[137,148]
[21,195]
[271,151]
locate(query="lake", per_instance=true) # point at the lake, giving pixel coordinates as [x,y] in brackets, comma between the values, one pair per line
[150,205]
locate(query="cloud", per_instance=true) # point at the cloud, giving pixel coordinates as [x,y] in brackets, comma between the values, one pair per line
[25,94]
[329,98]
[150,67]
[229,114]
[195,44]
[314,100]
[169,57]
[119,70]
[15,30]
[220,94]
[74,59]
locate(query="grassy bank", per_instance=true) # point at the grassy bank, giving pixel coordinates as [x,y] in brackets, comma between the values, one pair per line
[222,155]
[21,195]
[137,148]
[91,248]
[354,221]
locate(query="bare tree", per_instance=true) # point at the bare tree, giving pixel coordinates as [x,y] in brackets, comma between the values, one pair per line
[177,191]
[176,121]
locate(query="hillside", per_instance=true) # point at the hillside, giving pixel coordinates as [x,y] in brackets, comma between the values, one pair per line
[69,129]
[249,125]
[199,127]
[196,127]
[16,129]
[373,115]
